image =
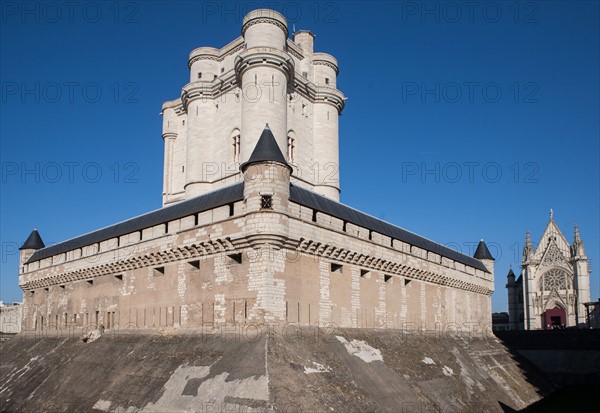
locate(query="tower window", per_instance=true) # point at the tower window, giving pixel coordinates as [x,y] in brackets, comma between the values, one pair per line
[291,147]
[222,69]
[305,74]
[199,75]
[326,80]
[236,148]
[266,202]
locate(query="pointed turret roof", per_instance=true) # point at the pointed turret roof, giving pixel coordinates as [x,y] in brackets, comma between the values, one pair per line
[510,273]
[33,242]
[482,252]
[266,149]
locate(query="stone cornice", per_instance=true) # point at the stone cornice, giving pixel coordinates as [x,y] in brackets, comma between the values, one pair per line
[264,16]
[203,53]
[184,252]
[260,56]
[336,253]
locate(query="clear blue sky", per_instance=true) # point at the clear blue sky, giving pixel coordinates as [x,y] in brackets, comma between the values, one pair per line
[462,122]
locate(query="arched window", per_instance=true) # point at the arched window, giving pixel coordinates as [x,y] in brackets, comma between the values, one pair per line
[236,150]
[291,148]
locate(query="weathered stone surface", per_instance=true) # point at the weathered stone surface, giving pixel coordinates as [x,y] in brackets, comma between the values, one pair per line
[277,369]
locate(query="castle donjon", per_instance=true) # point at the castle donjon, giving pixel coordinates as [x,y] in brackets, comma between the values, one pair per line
[251,229]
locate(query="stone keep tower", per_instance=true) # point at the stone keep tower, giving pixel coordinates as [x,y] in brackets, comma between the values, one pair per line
[260,77]
[554,285]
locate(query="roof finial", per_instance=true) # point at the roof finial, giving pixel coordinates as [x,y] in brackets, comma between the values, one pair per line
[551,214]
[267,126]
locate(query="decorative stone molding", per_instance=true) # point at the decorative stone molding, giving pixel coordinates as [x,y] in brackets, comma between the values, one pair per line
[184,252]
[352,257]
[265,57]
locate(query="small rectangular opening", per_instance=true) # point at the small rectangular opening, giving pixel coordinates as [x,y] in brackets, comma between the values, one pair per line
[199,75]
[386,278]
[195,219]
[231,210]
[363,273]
[407,281]
[222,69]
[314,215]
[326,80]
[119,277]
[235,258]
[336,267]
[370,235]
[166,227]
[344,226]
[195,264]
[266,202]
[158,271]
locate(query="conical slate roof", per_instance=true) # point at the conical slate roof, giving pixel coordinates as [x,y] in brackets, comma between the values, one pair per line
[33,242]
[482,252]
[510,273]
[266,149]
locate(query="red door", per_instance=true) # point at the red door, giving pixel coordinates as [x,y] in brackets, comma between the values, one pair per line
[555,318]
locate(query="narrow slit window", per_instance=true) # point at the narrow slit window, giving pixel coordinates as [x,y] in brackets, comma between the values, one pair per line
[314,215]
[236,148]
[291,149]
[199,75]
[326,80]
[231,209]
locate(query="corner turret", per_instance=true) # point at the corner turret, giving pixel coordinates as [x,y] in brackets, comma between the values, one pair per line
[483,254]
[32,244]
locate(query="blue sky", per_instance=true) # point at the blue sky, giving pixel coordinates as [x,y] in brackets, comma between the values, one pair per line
[463,122]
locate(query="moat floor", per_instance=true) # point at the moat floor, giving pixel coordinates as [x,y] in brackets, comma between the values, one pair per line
[247,369]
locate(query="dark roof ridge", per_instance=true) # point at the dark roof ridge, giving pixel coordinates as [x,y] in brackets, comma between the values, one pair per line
[319,202]
[210,200]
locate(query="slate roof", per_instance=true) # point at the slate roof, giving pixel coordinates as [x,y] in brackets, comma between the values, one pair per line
[182,209]
[482,252]
[266,149]
[33,241]
[235,193]
[328,206]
